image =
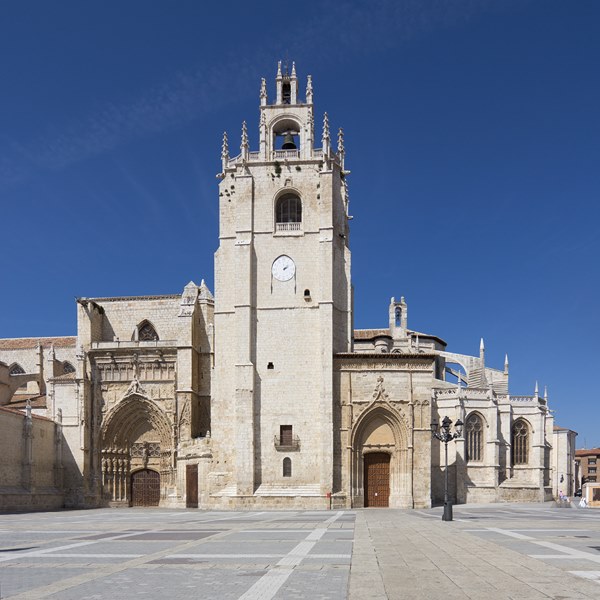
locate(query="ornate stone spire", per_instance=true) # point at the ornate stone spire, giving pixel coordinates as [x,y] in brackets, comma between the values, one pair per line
[340,147]
[244,145]
[546,394]
[263,92]
[326,140]
[506,364]
[309,90]
[536,391]
[293,69]
[279,69]
[225,151]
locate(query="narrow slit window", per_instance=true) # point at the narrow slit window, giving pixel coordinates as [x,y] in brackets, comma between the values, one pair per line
[287,467]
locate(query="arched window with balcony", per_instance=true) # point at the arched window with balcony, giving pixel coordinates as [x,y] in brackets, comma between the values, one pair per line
[520,442]
[288,213]
[474,438]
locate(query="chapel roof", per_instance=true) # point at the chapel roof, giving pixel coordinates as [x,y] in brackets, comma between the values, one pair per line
[19,401]
[33,342]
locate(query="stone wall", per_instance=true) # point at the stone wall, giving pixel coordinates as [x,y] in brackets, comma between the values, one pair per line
[31,466]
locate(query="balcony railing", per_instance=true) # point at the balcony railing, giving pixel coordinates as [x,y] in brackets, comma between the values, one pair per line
[133,344]
[286,154]
[285,444]
[288,227]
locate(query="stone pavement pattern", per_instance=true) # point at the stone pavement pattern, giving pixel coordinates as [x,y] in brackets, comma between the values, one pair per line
[524,552]
[488,552]
[137,553]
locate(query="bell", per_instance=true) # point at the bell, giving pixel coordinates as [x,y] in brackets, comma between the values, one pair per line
[288,142]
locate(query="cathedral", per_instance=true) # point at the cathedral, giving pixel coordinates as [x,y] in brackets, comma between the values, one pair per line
[262,394]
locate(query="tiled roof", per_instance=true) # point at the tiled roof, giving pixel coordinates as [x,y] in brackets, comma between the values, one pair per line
[367,334]
[16,411]
[126,298]
[20,401]
[64,377]
[46,342]
[588,452]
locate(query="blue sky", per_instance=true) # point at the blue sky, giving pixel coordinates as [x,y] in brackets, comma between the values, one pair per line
[472,133]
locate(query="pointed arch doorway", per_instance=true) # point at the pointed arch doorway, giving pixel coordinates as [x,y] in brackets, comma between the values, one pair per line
[377,479]
[382,468]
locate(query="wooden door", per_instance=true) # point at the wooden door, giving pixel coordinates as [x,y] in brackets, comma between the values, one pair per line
[145,488]
[191,486]
[377,479]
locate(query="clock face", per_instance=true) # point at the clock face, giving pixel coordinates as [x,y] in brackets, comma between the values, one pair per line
[283,268]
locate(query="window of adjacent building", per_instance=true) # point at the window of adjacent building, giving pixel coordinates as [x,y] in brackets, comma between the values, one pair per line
[68,367]
[288,213]
[592,470]
[147,333]
[591,461]
[16,369]
[287,467]
[520,443]
[474,437]
[285,435]
[592,479]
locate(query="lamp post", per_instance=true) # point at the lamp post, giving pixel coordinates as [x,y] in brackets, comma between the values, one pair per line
[445,436]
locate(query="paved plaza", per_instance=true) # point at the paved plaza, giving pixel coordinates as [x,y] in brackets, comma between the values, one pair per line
[488,552]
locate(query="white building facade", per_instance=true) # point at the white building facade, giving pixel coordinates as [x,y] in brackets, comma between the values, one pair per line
[264,395]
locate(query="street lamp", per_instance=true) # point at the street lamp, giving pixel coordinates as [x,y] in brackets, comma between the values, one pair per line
[445,436]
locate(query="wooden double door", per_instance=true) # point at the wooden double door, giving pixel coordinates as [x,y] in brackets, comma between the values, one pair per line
[377,479]
[145,488]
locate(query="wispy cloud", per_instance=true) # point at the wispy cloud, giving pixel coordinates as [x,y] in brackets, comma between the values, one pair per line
[339,32]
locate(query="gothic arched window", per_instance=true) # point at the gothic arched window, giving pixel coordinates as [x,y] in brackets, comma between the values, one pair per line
[520,442]
[474,437]
[16,369]
[68,367]
[288,213]
[287,467]
[146,332]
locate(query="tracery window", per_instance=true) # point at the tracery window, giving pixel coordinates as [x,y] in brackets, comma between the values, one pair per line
[147,333]
[520,443]
[474,437]
[68,367]
[287,467]
[288,213]
[16,369]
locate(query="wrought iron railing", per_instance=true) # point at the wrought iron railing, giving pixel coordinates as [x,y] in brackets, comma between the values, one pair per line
[287,443]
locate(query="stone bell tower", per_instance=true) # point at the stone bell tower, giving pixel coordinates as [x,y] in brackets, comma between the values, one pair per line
[283,302]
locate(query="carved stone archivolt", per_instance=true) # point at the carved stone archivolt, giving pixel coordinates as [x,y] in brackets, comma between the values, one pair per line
[135,434]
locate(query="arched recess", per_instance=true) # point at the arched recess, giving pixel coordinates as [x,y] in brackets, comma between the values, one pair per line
[381,429]
[145,332]
[135,435]
[475,437]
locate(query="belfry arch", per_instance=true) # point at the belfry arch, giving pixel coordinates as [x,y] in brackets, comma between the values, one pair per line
[380,433]
[136,436]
